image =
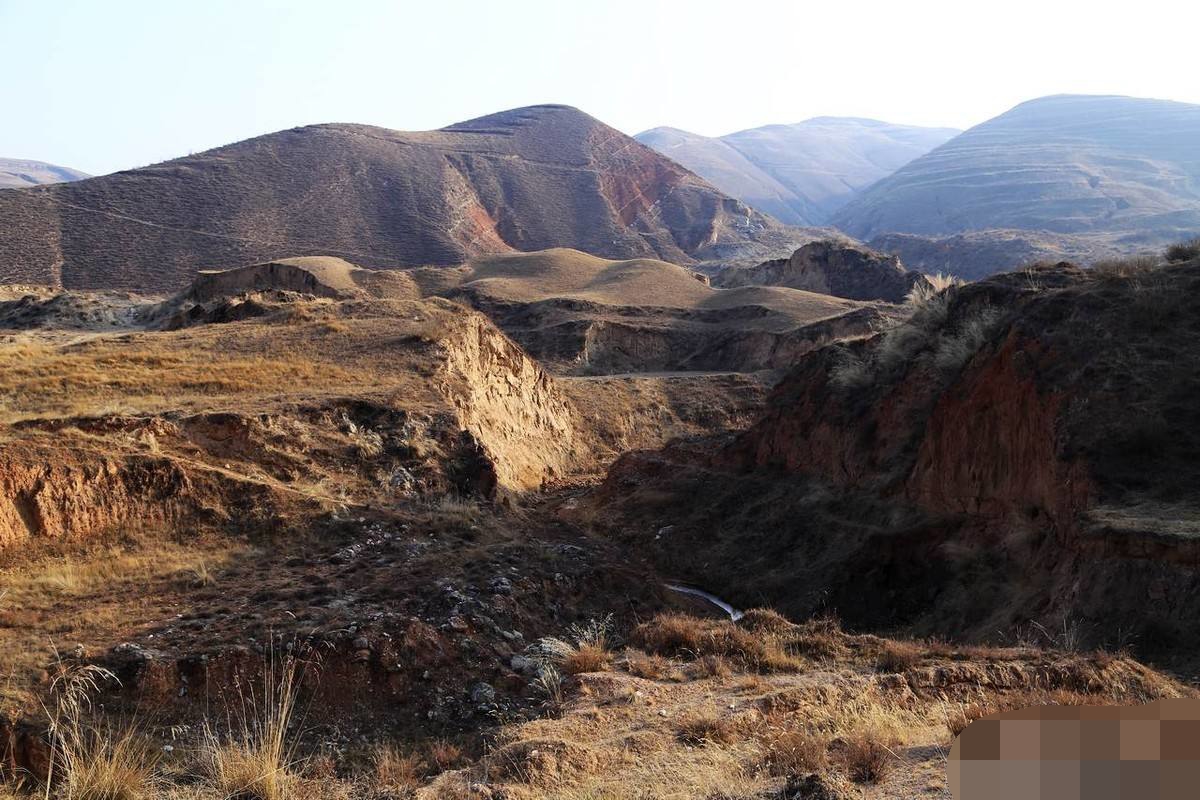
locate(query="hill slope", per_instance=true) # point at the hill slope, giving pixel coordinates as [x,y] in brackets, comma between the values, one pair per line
[526,179]
[1066,164]
[16,173]
[971,470]
[582,314]
[799,173]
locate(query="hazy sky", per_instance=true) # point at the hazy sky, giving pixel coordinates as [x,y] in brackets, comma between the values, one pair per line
[111,84]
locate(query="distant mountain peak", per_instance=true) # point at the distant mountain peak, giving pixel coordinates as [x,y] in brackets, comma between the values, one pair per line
[18,173]
[800,173]
[1066,164]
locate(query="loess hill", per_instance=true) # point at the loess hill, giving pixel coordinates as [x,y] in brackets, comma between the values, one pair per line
[590,315]
[1125,167]
[802,173]
[18,173]
[527,179]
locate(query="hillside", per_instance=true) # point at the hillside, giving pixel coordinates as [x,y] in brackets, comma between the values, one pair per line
[1066,164]
[307,485]
[971,472]
[582,314]
[527,179]
[802,173]
[18,173]
[977,254]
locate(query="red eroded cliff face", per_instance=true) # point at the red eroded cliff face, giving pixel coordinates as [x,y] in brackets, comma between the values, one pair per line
[991,446]
[985,440]
[57,498]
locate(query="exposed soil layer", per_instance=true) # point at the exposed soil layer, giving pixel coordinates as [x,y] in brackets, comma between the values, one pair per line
[976,470]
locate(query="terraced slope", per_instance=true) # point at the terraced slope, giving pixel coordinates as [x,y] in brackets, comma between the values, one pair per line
[1065,164]
[801,173]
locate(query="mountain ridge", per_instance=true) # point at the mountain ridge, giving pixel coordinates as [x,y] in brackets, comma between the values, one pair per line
[798,172]
[1066,164]
[518,180]
[18,173]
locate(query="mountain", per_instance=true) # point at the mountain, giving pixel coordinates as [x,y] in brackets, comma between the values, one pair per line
[527,179]
[800,174]
[1065,164]
[18,173]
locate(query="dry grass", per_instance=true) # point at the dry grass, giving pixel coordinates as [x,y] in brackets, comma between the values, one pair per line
[955,350]
[94,761]
[583,649]
[678,635]
[395,770]
[652,667]
[96,596]
[922,293]
[586,658]
[1184,251]
[1119,269]
[897,656]
[41,379]
[868,755]
[795,752]
[445,754]
[713,666]
[702,729]
[256,759]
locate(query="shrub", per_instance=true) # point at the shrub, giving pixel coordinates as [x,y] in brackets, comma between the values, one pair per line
[795,753]
[852,373]
[699,729]
[1116,269]
[1184,251]
[953,352]
[897,657]
[867,755]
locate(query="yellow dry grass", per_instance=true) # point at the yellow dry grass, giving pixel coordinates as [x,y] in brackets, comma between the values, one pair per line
[96,598]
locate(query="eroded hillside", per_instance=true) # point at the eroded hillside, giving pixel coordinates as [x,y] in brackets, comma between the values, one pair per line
[1017,456]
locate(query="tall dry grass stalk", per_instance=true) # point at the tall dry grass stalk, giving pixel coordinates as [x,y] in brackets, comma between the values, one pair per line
[256,758]
[93,761]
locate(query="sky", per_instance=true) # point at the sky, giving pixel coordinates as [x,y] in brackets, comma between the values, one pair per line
[114,84]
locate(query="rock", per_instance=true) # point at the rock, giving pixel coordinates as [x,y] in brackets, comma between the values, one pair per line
[482,694]
[501,585]
[523,665]
[831,267]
